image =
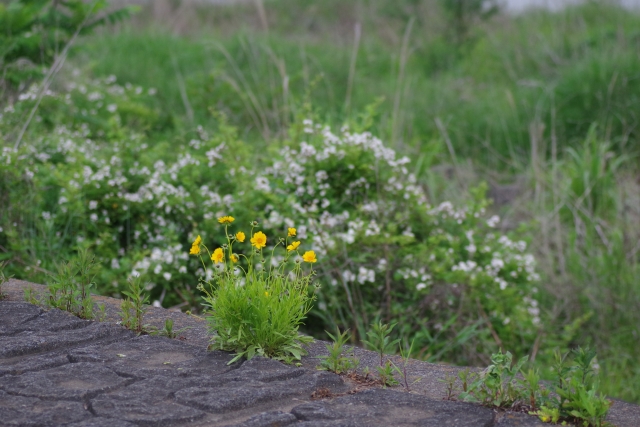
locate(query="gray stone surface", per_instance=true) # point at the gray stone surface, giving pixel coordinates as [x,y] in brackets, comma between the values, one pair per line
[390,407]
[57,370]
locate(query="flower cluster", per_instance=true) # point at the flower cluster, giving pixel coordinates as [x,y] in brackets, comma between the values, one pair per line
[253,311]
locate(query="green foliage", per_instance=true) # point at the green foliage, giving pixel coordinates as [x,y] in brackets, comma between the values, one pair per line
[34,32]
[379,339]
[335,361]
[3,279]
[496,385]
[577,398]
[405,354]
[70,288]
[132,308]
[255,307]
[167,330]
[591,173]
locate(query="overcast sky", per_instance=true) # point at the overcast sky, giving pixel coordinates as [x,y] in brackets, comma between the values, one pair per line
[519,5]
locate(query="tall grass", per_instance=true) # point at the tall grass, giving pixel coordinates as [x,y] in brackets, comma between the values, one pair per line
[516,103]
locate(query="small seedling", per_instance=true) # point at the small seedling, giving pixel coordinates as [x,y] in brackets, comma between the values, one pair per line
[450,381]
[132,307]
[380,339]
[168,331]
[402,371]
[386,374]
[102,317]
[335,361]
[30,297]
[3,279]
[69,288]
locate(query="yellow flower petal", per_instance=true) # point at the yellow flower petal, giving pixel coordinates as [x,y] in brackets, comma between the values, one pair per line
[234,258]
[309,256]
[226,219]
[293,246]
[292,232]
[240,236]
[259,240]
[218,256]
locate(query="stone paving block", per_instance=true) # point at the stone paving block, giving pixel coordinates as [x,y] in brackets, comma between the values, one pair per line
[147,356]
[101,422]
[141,412]
[74,381]
[264,370]
[34,342]
[15,314]
[269,419]
[17,366]
[514,419]
[148,401]
[237,395]
[383,407]
[52,320]
[30,411]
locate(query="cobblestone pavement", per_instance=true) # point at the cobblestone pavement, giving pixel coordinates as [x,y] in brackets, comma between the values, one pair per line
[58,370]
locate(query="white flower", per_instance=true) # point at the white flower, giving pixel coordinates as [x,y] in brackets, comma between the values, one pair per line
[421,286]
[93,217]
[93,204]
[366,275]
[166,275]
[115,264]
[493,221]
[46,216]
[112,108]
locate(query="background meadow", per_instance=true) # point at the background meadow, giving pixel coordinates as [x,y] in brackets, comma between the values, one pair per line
[470,174]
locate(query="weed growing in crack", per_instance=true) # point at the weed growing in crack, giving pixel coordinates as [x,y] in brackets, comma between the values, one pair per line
[3,279]
[379,340]
[576,397]
[405,354]
[133,307]
[69,289]
[335,361]
[255,307]
[168,331]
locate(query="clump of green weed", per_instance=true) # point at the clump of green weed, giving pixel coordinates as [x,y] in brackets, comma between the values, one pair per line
[69,289]
[3,279]
[335,361]
[255,308]
[576,385]
[379,340]
[133,306]
[405,353]
[167,330]
[577,399]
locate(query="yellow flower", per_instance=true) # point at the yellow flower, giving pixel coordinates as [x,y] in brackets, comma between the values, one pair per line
[195,246]
[259,240]
[293,246]
[309,256]
[234,258]
[266,294]
[240,236]
[218,256]
[292,232]
[226,219]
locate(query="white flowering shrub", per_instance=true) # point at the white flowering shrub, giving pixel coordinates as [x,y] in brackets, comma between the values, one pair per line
[87,174]
[387,253]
